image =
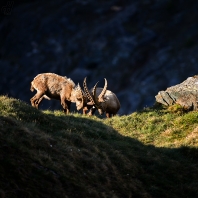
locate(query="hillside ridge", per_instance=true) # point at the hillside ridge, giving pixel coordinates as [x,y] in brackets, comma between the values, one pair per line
[49,154]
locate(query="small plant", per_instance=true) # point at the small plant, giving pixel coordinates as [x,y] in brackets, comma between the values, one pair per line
[176,108]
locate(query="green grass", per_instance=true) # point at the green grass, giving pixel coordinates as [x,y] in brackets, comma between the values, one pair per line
[149,153]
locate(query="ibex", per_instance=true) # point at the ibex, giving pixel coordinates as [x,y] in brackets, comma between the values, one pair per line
[53,86]
[104,100]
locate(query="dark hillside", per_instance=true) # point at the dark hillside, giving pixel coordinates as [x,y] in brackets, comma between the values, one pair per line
[48,154]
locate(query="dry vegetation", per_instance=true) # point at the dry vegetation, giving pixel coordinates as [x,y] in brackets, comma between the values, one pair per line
[150,153]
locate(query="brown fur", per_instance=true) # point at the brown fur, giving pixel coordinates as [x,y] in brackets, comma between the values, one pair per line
[111,104]
[53,86]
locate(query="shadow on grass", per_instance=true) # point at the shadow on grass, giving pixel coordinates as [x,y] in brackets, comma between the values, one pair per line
[48,155]
[145,164]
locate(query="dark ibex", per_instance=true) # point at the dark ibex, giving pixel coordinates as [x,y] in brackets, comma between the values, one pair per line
[53,86]
[104,100]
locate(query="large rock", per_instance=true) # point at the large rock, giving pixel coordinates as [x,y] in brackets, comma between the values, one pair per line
[185,94]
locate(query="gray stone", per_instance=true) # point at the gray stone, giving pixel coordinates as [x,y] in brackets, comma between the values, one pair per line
[185,94]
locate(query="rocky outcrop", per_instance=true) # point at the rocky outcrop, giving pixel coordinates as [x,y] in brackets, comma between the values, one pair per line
[185,94]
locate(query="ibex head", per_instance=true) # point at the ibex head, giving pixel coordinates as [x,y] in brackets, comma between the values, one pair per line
[95,99]
[79,97]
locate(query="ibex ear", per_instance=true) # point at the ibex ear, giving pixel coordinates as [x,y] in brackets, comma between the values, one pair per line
[104,99]
[90,103]
[101,100]
[78,86]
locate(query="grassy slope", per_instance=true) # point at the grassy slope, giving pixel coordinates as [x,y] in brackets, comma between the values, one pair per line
[150,153]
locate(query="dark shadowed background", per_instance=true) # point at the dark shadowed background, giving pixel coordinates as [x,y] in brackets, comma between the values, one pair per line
[140,46]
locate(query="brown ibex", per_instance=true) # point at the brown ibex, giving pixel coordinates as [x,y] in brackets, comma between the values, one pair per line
[53,86]
[104,100]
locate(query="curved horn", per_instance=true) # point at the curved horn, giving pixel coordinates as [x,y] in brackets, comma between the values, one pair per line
[94,94]
[101,96]
[79,89]
[87,91]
